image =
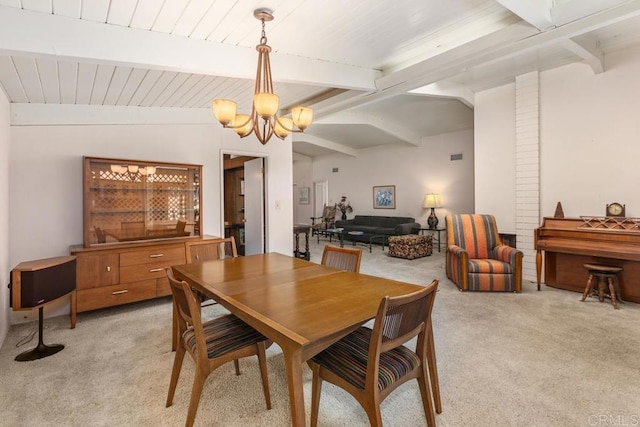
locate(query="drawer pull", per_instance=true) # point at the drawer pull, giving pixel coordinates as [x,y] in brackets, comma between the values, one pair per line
[119,292]
[156,255]
[155,270]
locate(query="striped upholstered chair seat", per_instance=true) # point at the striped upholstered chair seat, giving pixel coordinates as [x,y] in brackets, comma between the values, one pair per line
[476,258]
[348,358]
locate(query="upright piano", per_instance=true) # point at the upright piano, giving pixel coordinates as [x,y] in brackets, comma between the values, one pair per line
[568,243]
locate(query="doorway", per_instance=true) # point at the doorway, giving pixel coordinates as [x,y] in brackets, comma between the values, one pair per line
[244,202]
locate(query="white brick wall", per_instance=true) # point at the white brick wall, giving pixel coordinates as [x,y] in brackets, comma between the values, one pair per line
[527,168]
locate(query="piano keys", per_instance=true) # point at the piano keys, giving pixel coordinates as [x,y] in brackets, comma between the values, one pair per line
[568,243]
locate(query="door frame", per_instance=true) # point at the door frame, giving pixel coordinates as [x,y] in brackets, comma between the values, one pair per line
[265,165]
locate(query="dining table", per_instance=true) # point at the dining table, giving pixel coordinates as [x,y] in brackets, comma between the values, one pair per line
[301,306]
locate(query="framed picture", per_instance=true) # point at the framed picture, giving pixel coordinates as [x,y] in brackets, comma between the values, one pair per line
[384,197]
[303,195]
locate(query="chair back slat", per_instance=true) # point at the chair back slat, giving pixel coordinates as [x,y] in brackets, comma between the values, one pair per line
[401,318]
[347,259]
[477,234]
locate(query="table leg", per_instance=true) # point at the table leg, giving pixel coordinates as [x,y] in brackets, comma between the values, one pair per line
[296,252]
[307,254]
[293,364]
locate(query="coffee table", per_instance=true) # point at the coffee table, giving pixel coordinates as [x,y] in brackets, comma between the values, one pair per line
[374,238]
[331,233]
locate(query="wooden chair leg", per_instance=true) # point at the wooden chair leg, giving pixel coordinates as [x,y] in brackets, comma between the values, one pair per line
[616,286]
[236,363]
[175,374]
[601,286]
[196,391]
[316,389]
[262,359]
[174,327]
[427,401]
[433,371]
[589,287]
[612,291]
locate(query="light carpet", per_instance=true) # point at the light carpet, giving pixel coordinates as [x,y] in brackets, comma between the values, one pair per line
[530,359]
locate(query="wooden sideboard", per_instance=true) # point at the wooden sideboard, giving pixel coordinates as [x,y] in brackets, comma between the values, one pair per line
[115,274]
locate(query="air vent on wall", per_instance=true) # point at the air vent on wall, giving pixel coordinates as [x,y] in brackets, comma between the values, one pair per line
[334,170]
[456,156]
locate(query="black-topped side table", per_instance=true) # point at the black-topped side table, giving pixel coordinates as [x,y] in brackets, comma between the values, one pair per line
[437,236]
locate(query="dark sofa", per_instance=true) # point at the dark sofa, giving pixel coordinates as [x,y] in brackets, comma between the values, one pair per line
[378,226]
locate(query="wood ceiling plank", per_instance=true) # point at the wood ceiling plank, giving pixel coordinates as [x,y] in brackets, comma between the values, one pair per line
[135,77]
[11,80]
[67,81]
[171,88]
[118,81]
[48,71]
[121,12]
[95,10]
[211,19]
[160,85]
[169,15]
[145,86]
[104,74]
[146,13]
[28,71]
[44,6]
[86,78]
[70,8]
[191,17]
[179,94]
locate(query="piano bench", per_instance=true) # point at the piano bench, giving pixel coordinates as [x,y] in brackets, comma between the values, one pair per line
[606,277]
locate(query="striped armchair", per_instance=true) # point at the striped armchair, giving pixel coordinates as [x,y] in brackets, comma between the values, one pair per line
[476,258]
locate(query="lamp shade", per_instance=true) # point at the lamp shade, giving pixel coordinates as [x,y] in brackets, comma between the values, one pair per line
[242,124]
[224,110]
[266,104]
[431,200]
[302,117]
[282,127]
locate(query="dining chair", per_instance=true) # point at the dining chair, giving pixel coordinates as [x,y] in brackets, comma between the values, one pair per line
[370,364]
[342,258]
[204,250]
[209,249]
[211,345]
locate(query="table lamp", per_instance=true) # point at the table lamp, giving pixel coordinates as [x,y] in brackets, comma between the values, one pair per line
[431,200]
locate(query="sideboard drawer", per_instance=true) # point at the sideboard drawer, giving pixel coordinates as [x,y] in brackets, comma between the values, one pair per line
[107,296]
[155,270]
[153,256]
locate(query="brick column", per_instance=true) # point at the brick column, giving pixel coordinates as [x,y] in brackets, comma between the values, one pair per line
[527,168]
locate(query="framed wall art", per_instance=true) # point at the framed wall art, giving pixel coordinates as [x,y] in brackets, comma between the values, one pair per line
[303,196]
[384,197]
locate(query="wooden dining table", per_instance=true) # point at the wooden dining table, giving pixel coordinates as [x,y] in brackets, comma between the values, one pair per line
[301,306]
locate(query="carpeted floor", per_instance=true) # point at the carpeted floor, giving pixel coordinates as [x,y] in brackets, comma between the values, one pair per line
[529,359]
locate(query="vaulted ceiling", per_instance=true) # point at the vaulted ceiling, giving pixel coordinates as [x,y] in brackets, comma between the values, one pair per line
[375,72]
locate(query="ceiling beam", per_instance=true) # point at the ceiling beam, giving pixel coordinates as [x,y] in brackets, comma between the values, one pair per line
[54,36]
[587,48]
[513,40]
[536,13]
[324,143]
[447,90]
[385,125]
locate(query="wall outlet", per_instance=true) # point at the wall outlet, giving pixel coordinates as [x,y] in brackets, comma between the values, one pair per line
[277,204]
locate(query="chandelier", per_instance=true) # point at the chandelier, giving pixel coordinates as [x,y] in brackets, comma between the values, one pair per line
[263,120]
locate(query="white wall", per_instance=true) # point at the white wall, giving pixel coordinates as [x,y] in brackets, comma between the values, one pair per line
[302,177]
[46,179]
[414,171]
[5,139]
[495,176]
[590,137]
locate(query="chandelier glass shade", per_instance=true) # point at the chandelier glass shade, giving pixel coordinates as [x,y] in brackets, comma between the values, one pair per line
[263,120]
